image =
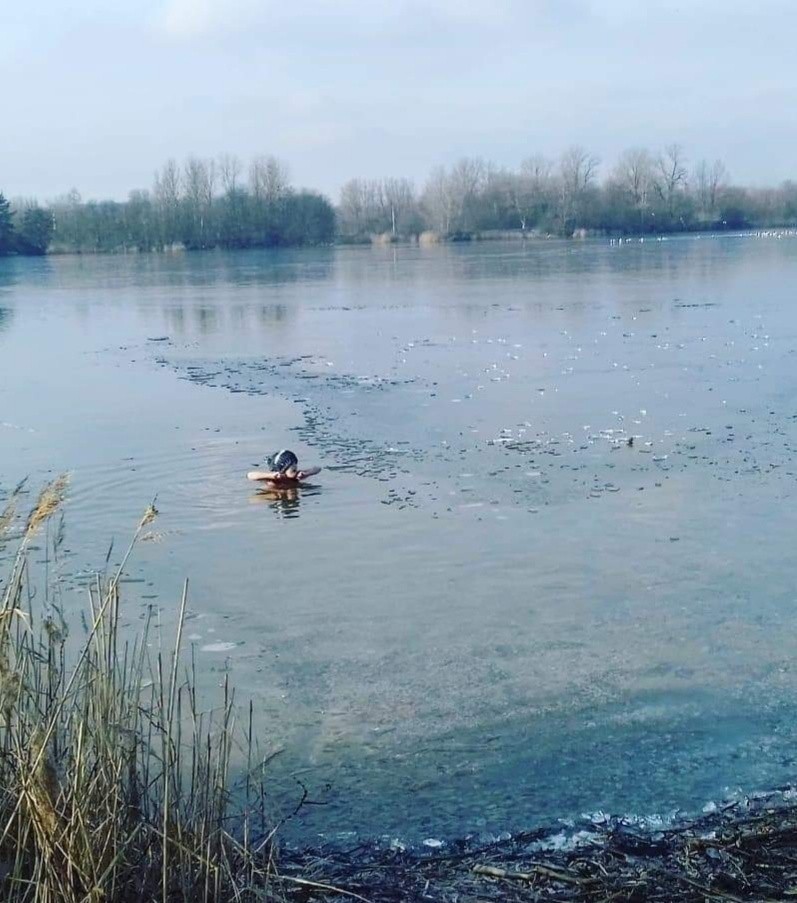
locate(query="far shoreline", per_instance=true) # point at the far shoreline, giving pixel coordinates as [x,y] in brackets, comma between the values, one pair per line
[429,240]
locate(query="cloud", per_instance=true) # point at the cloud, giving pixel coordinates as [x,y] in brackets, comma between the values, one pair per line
[201,18]
[341,87]
[186,19]
[198,18]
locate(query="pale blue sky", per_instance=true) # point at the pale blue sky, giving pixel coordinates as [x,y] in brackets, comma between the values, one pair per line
[98,94]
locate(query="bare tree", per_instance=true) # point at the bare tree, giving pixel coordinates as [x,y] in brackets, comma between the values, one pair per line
[360,206]
[210,182]
[670,177]
[257,178]
[377,206]
[167,183]
[193,179]
[140,221]
[397,197]
[709,180]
[466,181]
[230,173]
[167,197]
[277,178]
[234,213]
[539,169]
[530,190]
[718,176]
[268,187]
[634,176]
[268,179]
[351,207]
[496,197]
[197,200]
[577,170]
[437,200]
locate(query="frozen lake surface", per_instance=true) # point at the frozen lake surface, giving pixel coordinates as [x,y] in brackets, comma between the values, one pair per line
[548,568]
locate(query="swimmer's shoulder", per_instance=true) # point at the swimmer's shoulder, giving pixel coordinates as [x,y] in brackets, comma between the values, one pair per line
[262,475]
[277,478]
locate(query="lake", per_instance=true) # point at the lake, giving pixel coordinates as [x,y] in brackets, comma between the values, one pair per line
[548,569]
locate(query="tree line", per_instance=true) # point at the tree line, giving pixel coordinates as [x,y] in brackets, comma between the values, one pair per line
[220,203]
[201,204]
[643,192]
[26,230]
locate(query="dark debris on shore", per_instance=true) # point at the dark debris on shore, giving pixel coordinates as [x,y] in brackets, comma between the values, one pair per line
[745,851]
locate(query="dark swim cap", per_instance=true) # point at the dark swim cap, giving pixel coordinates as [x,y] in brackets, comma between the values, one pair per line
[284,460]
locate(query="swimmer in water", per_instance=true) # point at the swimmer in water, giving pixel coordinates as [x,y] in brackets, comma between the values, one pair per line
[284,472]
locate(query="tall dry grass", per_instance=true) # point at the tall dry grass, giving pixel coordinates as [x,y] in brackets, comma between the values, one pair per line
[115,784]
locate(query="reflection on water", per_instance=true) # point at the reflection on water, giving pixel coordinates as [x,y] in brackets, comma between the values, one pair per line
[7,270]
[499,606]
[285,502]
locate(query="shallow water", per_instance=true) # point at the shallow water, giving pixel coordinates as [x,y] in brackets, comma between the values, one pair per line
[490,610]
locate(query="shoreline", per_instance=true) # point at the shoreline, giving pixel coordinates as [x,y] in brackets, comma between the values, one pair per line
[434,240]
[743,850]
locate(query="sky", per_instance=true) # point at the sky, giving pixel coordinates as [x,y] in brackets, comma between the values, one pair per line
[97,94]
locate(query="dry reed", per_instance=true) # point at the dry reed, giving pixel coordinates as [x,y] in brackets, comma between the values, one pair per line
[50,500]
[114,784]
[7,518]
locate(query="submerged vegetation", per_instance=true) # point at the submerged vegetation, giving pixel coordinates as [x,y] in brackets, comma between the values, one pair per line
[219,203]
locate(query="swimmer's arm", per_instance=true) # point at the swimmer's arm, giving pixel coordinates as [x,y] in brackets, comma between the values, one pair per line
[269,475]
[274,476]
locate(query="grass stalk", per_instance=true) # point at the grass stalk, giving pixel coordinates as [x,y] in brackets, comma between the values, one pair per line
[114,785]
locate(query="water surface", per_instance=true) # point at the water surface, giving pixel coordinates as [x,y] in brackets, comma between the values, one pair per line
[548,566]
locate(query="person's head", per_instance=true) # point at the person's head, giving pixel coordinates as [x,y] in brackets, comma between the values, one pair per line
[284,461]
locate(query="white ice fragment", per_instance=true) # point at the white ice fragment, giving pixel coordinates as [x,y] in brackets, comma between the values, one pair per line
[218,647]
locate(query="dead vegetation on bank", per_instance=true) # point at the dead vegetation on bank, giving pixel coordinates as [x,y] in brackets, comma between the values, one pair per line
[746,852]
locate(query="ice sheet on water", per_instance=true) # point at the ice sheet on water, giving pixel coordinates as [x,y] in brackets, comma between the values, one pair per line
[427,416]
[219,647]
[433,843]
